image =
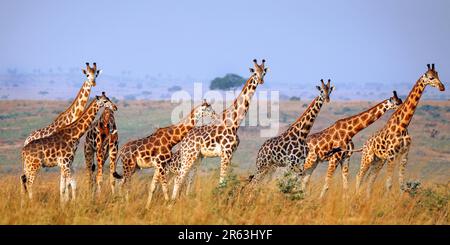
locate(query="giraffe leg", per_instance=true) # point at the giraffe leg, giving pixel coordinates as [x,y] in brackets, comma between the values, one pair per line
[126,182]
[101,154]
[344,170]
[68,180]
[390,173]
[259,176]
[310,164]
[377,165]
[62,188]
[113,149]
[224,165]
[187,161]
[89,153]
[29,180]
[151,189]
[191,178]
[332,164]
[366,161]
[402,168]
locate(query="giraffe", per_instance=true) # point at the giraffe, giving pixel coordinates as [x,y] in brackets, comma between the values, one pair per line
[59,149]
[220,139]
[289,149]
[101,140]
[337,140]
[155,149]
[74,111]
[391,144]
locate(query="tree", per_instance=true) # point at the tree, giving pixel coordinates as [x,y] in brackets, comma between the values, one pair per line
[229,81]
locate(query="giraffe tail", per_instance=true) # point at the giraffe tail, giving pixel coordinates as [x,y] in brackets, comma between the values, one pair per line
[250,178]
[357,150]
[332,151]
[23,180]
[117,175]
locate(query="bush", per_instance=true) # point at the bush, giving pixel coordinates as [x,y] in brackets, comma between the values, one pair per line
[288,185]
[294,98]
[434,199]
[228,189]
[229,81]
[412,187]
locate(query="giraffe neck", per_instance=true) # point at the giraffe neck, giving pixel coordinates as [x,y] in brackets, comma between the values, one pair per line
[304,123]
[402,117]
[233,115]
[180,130]
[358,122]
[79,103]
[83,123]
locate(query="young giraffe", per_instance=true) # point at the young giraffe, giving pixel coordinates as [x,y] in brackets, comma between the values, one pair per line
[75,109]
[289,148]
[220,139]
[391,144]
[337,139]
[155,149]
[101,140]
[59,149]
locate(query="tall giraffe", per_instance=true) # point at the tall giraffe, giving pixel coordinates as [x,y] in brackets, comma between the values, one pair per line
[289,148]
[102,140]
[337,139]
[391,143]
[220,139]
[74,111]
[155,149]
[59,149]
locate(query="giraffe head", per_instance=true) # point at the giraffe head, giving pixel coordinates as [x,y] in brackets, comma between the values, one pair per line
[204,110]
[394,102]
[104,101]
[325,90]
[431,78]
[259,71]
[91,73]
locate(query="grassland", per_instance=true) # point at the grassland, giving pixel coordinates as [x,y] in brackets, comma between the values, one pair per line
[428,162]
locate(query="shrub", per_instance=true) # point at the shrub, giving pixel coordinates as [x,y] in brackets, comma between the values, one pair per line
[288,185]
[229,81]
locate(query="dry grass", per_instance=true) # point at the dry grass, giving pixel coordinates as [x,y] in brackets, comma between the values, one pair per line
[207,205]
[428,162]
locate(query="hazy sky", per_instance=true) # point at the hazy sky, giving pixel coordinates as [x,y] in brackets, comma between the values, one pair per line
[352,41]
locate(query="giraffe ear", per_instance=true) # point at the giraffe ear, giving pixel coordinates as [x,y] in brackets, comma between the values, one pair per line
[99,72]
[97,97]
[332,88]
[252,70]
[318,88]
[84,72]
[266,69]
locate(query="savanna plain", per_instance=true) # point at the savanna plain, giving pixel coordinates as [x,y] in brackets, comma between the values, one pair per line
[276,202]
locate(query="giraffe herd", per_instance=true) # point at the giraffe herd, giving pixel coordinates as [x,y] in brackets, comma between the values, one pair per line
[295,148]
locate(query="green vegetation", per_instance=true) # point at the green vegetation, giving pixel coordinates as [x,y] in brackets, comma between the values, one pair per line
[229,81]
